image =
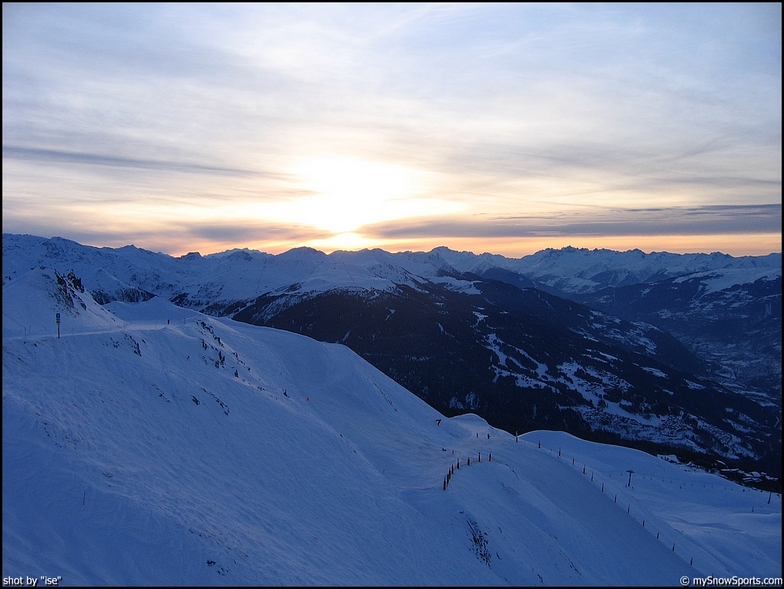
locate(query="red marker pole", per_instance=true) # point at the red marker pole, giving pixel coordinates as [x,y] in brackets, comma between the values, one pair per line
[57,320]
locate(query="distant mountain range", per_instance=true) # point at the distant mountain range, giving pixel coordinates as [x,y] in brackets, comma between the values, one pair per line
[665,352]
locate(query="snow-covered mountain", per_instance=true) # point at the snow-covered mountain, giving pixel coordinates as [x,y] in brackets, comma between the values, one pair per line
[496,336]
[580,270]
[735,325]
[243,274]
[727,310]
[153,445]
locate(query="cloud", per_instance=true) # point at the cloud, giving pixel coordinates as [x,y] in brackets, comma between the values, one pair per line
[708,220]
[69,157]
[175,237]
[530,118]
[250,232]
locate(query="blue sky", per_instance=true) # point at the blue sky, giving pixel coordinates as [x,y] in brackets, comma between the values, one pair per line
[503,127]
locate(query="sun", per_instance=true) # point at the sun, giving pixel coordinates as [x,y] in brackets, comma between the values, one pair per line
[344,241]
[347,193]
[338,196]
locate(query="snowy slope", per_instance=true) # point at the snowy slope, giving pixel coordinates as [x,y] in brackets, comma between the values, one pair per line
[31,301]
[155,445]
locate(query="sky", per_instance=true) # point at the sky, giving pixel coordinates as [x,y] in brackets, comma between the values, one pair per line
[153,445]
[502,128]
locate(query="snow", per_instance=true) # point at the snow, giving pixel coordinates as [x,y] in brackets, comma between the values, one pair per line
[579,270]
[243,275]
[718,281]
[153,445]
[654,371]
[723,526]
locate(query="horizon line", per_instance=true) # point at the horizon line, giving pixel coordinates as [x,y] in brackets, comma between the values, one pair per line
[329,252]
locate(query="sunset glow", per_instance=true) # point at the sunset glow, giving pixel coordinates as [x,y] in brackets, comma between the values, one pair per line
[505,128]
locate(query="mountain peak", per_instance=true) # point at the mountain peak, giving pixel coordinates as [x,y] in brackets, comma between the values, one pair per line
[191,256]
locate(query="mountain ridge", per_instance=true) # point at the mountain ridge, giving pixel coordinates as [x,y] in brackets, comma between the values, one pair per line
[338,297]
